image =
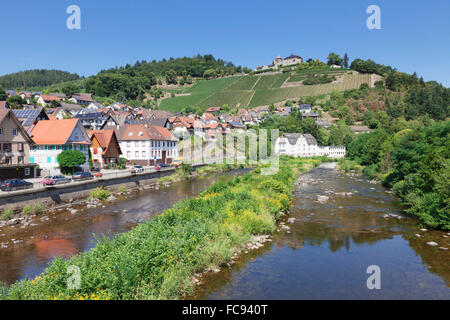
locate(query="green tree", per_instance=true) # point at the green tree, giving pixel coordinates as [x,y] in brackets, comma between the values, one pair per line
[345,61]
[3,95]
[171,77]
[334,58]
[68,159]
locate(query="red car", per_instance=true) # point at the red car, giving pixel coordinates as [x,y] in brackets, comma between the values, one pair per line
[98,174]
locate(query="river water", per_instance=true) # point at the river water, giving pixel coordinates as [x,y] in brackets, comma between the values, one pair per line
[324,255]
[326,252]
[62,233]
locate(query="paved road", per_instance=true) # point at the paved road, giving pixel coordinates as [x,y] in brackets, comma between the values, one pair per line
[107,175]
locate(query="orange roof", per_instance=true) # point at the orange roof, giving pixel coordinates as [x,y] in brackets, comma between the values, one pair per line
[54,131]
[103,136]
[50,98]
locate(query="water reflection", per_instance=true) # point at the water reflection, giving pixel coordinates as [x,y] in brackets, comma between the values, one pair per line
[65,234]
[332,241]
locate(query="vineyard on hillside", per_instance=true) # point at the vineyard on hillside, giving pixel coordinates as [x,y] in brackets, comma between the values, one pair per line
[259,90]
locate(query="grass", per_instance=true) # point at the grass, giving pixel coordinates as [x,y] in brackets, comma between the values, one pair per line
[244,83]
[26,210]
[36,208]
[7,214]
[232,98]
[348,165]
[253,91]
[158,258]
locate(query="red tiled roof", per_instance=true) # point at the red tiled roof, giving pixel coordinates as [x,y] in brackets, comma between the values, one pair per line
[50,98]
[54,131]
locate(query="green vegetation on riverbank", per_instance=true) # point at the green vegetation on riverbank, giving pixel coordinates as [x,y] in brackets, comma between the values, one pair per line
[158,259]
[415,162]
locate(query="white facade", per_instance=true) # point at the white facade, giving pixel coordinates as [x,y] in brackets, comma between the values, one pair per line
[146,150]
[299,145]
[46,156]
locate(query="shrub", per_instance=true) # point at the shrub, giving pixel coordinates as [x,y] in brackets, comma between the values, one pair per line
[122,189]
[26,209]
[100,193]
[7,214]
[37,208]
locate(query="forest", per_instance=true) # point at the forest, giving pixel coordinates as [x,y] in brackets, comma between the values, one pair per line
[35,78]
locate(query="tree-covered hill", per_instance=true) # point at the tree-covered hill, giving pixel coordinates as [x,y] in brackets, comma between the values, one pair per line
[131,82]
[35,78]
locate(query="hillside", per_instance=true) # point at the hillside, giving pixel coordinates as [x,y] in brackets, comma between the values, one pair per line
[36,78]
[258,90]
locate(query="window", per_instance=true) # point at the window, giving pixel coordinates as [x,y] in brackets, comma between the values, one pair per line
[128,154]
[136,144]
[7,146]
[143,143]
[20,160]
[31,159]
[1,131]
[136,154]
[143,154]
[128,144]
[95,150]
[14,132]
[8,160]
[49,159]
[27,171]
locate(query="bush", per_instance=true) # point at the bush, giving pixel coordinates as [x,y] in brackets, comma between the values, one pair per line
[26,209]
[37,208]
[7,214]
[100,194]
[122,189]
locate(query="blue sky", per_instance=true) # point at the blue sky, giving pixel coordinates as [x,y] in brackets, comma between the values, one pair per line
[415,35]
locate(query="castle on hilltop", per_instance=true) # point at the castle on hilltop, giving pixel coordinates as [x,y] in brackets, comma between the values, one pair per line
[278,62]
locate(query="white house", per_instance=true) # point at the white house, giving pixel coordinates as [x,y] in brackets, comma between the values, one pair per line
[44,100]
[51,137]
[147,145]
[305,145]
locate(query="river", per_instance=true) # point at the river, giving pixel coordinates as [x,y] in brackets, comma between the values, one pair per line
[324,254]
[62,233]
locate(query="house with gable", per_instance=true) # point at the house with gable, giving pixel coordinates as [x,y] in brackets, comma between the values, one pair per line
[105,148]
[15,144]
[51,137]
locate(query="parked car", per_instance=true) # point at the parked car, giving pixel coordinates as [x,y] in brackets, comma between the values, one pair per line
[98,174]
[159,166]
[52,180]
[82,176]
[137,169]
[15,184]
[177,162]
